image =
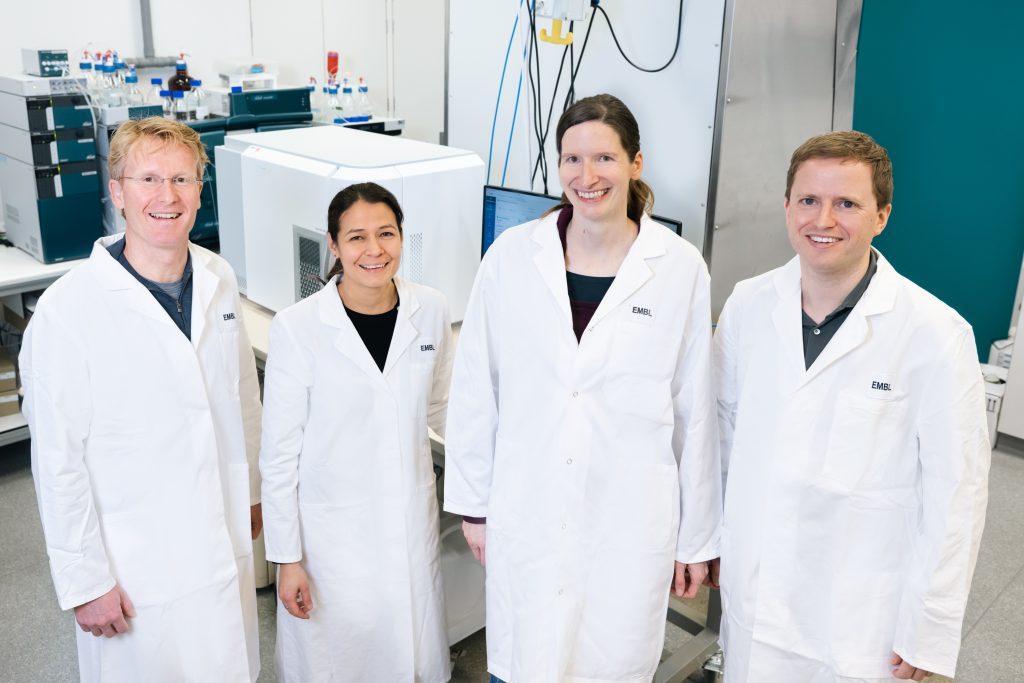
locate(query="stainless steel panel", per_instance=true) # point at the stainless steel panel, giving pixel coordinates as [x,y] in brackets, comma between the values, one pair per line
[779,93]
[847,33]
[716,138]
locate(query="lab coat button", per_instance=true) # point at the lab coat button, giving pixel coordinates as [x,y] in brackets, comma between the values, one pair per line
[575,394]
[563,526]
[568,461]
[559,591]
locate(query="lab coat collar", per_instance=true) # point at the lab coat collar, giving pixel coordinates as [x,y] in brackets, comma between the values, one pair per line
[633,273]
[204,289]
[879,298]
[405,331]
[347,340]
[550,261]
[114,277]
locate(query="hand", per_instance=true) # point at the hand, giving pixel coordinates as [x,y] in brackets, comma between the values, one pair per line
[905,670]
[256,519]
[105,616]
[293,589]
[714,568]
[476,537]
[688,578]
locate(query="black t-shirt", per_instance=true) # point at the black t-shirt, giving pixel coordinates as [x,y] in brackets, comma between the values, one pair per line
[376,330]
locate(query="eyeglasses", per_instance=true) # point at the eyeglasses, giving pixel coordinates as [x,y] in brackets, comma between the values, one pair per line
[151,182]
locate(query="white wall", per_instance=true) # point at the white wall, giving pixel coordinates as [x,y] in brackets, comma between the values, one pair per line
[222,30]
[72,26]
[675,108]
[405,80]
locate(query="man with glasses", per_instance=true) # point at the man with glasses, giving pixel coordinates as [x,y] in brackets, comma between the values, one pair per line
[852,418]
[143,404]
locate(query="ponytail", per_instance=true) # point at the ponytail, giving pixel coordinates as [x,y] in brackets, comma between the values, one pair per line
[641,200]
[336,269]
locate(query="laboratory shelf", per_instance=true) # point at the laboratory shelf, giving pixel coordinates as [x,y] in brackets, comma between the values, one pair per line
[13,428]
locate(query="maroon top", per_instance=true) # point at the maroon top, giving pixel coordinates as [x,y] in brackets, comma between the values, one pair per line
[585,291]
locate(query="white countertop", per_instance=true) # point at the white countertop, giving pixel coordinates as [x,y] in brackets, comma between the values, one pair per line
[20,272]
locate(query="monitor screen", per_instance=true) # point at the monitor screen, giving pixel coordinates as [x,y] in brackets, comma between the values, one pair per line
[505,207]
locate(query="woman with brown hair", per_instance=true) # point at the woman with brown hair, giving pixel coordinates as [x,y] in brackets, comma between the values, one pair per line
[582,441]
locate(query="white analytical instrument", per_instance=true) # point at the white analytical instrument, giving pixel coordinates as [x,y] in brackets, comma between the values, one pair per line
[273,190]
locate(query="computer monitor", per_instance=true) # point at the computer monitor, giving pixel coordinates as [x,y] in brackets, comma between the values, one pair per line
[505,207]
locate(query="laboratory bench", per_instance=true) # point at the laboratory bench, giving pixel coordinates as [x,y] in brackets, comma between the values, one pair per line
[21,273]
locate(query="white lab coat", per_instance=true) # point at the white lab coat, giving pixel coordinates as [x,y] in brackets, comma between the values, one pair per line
[144,451]
[856,489]
[595,463]
[349,489]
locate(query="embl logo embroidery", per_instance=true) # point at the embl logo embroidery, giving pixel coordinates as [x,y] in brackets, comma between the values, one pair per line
[881,386]
[643,311]
[427,347]
[229,316]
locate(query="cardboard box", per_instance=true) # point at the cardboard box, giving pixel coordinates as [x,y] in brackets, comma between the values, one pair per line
[995,387]
[8,372]
[18,322]
[9,403]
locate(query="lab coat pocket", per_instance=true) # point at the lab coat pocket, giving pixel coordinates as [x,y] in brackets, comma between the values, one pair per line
[340,542]
[870,576]
[424,351]
[865,433]
[640,348]
[876,529]
[639,397]
[862,622]
[146,579]
[646,515]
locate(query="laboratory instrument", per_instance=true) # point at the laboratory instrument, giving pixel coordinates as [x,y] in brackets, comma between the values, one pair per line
[47,63]
[48,175]
[274,189]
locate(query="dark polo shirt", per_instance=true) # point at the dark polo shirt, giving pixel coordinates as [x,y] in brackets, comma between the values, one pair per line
[817,336]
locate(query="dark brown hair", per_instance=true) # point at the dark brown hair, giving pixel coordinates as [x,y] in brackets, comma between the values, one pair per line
[848,145]
[611,111]
[371,193]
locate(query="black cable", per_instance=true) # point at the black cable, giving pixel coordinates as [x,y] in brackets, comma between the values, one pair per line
[529,73]
[675,50]
[539,108]
[535,90]
[570,95]
[541,157]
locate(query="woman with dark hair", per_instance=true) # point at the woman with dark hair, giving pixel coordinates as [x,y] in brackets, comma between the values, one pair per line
[355,374]
[582,444]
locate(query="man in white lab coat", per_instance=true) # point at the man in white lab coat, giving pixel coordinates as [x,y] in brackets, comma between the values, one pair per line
[852,417]
[143,404]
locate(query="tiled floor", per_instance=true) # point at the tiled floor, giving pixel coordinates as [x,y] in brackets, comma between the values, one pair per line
[37,643]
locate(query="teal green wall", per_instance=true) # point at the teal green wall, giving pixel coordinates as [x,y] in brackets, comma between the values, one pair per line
[940,84]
